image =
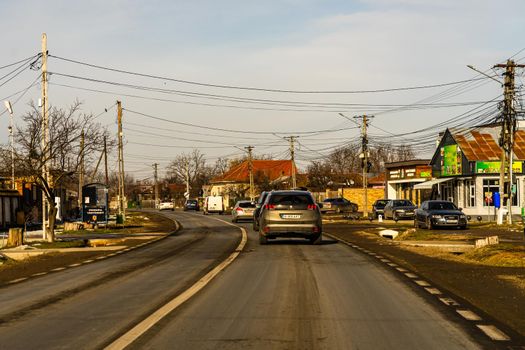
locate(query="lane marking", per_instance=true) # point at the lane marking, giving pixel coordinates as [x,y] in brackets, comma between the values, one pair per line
[130,336]
[101,257]
[433,291]
[59,269]
[468,315]
[411,275]
[400,269]
[385,260]
[74,265]
[449,301]
[39,274]
[422,283]
[87,261]
[17,280]
[493,332]
[391,264]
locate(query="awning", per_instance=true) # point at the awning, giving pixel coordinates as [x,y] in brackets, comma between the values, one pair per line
[427,185]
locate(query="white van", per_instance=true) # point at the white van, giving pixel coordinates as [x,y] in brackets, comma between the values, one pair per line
[213,204]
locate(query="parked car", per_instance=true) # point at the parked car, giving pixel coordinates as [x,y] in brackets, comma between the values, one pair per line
[166,206]
[191,204]
[257,211]
[397,209]
[338,205]
[378,208]
[436,213]
[213,204]
[290,214]
[243,210]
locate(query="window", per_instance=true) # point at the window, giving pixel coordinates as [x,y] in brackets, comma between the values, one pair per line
[489,187]
[470,193]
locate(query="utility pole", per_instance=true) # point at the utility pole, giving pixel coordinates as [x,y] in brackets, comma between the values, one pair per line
[364,159]
[187,194]
[506,141]
[250,168]
[121,190]
[45,139]
[106,161]
[81,172]
[292,158]
[12,142]
[155,176]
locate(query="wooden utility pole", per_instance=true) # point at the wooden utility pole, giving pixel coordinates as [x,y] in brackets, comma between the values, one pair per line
[155,176]
[106,161]
[45,139]
[121,177]
[250,168]
[364,160]
[292,158]
[81,172]
[506,141]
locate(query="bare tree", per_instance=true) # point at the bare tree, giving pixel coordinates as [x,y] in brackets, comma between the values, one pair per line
[61,155]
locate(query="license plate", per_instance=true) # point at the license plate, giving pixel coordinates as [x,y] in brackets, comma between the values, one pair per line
[452,221]
[291,216]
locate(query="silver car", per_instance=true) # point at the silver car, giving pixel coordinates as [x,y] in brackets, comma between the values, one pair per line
[290,214]
[243,210]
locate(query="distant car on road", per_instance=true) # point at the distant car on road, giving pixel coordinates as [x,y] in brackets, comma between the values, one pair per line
[191,204]
[378,208]
[436,213]
[243,210]
[166,206]
[338,205]
[290,214]
[397,209]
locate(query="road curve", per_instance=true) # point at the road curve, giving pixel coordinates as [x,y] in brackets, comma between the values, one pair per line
[89,306]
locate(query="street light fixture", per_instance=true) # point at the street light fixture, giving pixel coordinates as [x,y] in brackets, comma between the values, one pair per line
[11,137]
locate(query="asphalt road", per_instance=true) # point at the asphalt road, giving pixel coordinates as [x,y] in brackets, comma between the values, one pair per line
[286,295]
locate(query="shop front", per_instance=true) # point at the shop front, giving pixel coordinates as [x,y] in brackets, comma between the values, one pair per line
[402,177]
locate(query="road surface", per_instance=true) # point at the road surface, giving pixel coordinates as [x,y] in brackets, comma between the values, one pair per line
[285,295]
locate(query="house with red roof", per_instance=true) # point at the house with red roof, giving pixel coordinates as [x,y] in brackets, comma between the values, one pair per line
[267,174]
[466,169]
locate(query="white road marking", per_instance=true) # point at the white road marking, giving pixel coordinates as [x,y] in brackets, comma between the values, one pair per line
[17,280]
[411,275]
[385,260]
[433,291]
[39,274]
[391,264]
[101,257]
[422,283]
[449,301]
[493,332]
[400,269]
[59,269]
[469,315]
[87,261]
[155,317]
[74,265]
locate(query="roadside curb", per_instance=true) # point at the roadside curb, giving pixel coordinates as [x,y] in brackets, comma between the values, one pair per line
[489,330]
[99,258]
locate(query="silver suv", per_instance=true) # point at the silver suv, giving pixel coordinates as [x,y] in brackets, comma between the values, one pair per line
[290,214]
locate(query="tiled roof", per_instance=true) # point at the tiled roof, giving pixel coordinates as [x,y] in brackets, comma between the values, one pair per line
[273,169]
[482,143]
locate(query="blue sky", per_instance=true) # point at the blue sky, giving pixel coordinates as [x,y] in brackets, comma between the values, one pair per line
[296,45]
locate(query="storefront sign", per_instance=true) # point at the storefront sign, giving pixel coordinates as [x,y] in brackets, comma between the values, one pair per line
[495,167]
[450,160]
[424,171]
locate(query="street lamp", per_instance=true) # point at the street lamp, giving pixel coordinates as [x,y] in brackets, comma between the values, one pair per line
[11,137]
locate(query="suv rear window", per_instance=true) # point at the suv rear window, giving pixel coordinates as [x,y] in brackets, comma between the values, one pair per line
[291,199]
[246,205]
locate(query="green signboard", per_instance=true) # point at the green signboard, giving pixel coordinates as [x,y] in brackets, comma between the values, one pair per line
[495,167]
[451,160]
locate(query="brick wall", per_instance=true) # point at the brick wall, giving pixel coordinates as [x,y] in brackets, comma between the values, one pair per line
[355,195]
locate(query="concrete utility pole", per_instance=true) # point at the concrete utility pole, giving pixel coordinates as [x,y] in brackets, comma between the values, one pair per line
[292,158]
[250,168]
[12,142]
[364,159]
[45,138]
[187,179]
[121,190]
[81,172]
[106,161]
[155,176]
[506,141]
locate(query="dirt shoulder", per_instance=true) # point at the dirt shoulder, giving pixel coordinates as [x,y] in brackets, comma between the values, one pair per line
[74,247]
[498,291]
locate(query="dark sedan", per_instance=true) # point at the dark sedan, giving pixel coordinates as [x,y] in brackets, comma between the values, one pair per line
[397,209]
[378,208]
[439,213]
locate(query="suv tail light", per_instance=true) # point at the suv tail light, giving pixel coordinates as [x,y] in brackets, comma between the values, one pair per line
[239,210]
[312,206]
[269,206]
